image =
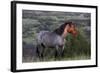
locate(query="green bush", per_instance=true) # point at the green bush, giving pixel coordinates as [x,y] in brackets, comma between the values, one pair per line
[77,46]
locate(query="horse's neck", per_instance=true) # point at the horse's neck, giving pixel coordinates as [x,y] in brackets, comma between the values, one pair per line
[64,34]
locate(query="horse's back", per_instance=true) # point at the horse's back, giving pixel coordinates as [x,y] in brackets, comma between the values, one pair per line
[49,38]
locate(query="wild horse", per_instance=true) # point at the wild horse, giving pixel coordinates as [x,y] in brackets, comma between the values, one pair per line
[55,39]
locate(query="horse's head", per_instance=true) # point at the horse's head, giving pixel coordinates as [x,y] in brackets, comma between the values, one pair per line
[71,28]
[67,27]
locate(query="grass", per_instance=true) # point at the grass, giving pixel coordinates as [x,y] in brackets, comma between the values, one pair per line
[32,59]
[76,48]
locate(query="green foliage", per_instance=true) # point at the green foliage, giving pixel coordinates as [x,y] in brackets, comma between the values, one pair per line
[77,46]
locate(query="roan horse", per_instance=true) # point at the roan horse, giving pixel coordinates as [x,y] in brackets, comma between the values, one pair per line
[55,39]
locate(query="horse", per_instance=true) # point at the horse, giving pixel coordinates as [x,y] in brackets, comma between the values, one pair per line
[55,39]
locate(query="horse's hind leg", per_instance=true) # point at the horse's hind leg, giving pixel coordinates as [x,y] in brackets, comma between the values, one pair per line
[40,52]
[37,51]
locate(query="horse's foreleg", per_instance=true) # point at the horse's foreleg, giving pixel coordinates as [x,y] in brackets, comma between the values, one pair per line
[59,52]
[56,52]
[62,52]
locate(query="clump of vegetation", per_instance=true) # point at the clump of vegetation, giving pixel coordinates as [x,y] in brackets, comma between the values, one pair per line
[77,46]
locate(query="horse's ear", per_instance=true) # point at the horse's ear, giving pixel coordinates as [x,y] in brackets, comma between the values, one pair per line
[69,24]
[72,25]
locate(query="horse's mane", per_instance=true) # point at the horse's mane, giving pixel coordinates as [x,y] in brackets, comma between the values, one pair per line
[60,30]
